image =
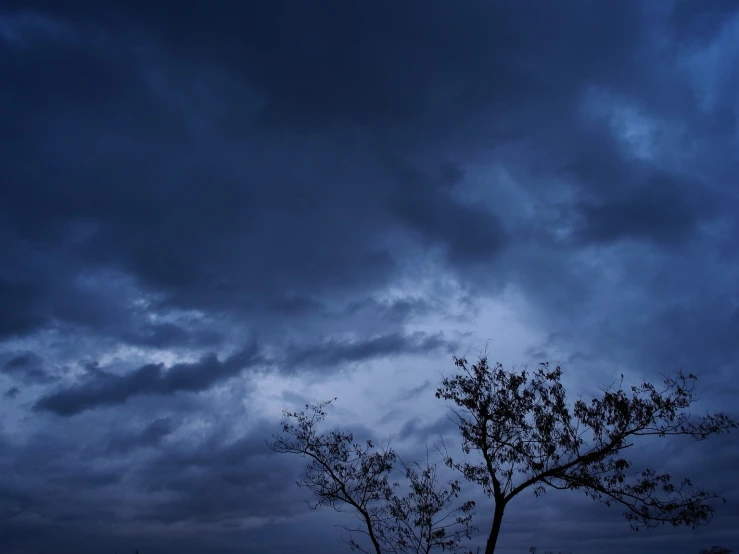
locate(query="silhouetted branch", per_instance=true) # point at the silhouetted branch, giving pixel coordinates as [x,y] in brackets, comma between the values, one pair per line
[345,472]
[527,436]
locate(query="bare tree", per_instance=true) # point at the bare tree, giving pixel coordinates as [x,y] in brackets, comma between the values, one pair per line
[345,473]
[527,437]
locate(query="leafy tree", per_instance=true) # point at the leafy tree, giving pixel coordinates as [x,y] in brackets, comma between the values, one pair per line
[344,473]
[526,436]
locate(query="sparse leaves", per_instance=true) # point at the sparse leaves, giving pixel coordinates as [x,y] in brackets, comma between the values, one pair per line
[343,472]
[428,516]
[518,432]
[716,550]
[527,436]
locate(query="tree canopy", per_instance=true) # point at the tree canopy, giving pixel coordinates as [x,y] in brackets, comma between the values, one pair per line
[527,436]
[345,473]
[519,432]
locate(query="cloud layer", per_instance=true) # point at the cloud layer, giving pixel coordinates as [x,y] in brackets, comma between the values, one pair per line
[212,214]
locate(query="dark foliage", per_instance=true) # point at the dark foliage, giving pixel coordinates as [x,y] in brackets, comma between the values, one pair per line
[526,436]
[344,473]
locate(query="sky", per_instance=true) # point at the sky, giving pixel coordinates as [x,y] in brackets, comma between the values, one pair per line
[211,212]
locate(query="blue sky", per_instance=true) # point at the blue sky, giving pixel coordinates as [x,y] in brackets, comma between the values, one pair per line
[216,211]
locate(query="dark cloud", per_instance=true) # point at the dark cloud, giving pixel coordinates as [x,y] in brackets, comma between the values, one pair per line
[470,233]
[216,476]
[149,436]
[701,20]
[151,379]
[714,343]
[231,477]
[164,335]
[334,352]
[357,61]
[397,310]
[296,306]
[372,70]
[428,432]
[341,179]
[25,361]
[414,392]
[657,211]
[27,367]
[20,313]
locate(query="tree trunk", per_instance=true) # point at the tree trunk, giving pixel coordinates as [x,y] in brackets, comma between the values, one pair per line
[495,530]
[371,532]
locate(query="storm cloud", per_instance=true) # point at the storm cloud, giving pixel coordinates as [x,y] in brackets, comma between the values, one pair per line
[211,213]
[152,379]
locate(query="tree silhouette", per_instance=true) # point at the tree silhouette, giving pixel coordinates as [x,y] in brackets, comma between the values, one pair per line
[525,436]
[426,517]
[518,432]
[344,473]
